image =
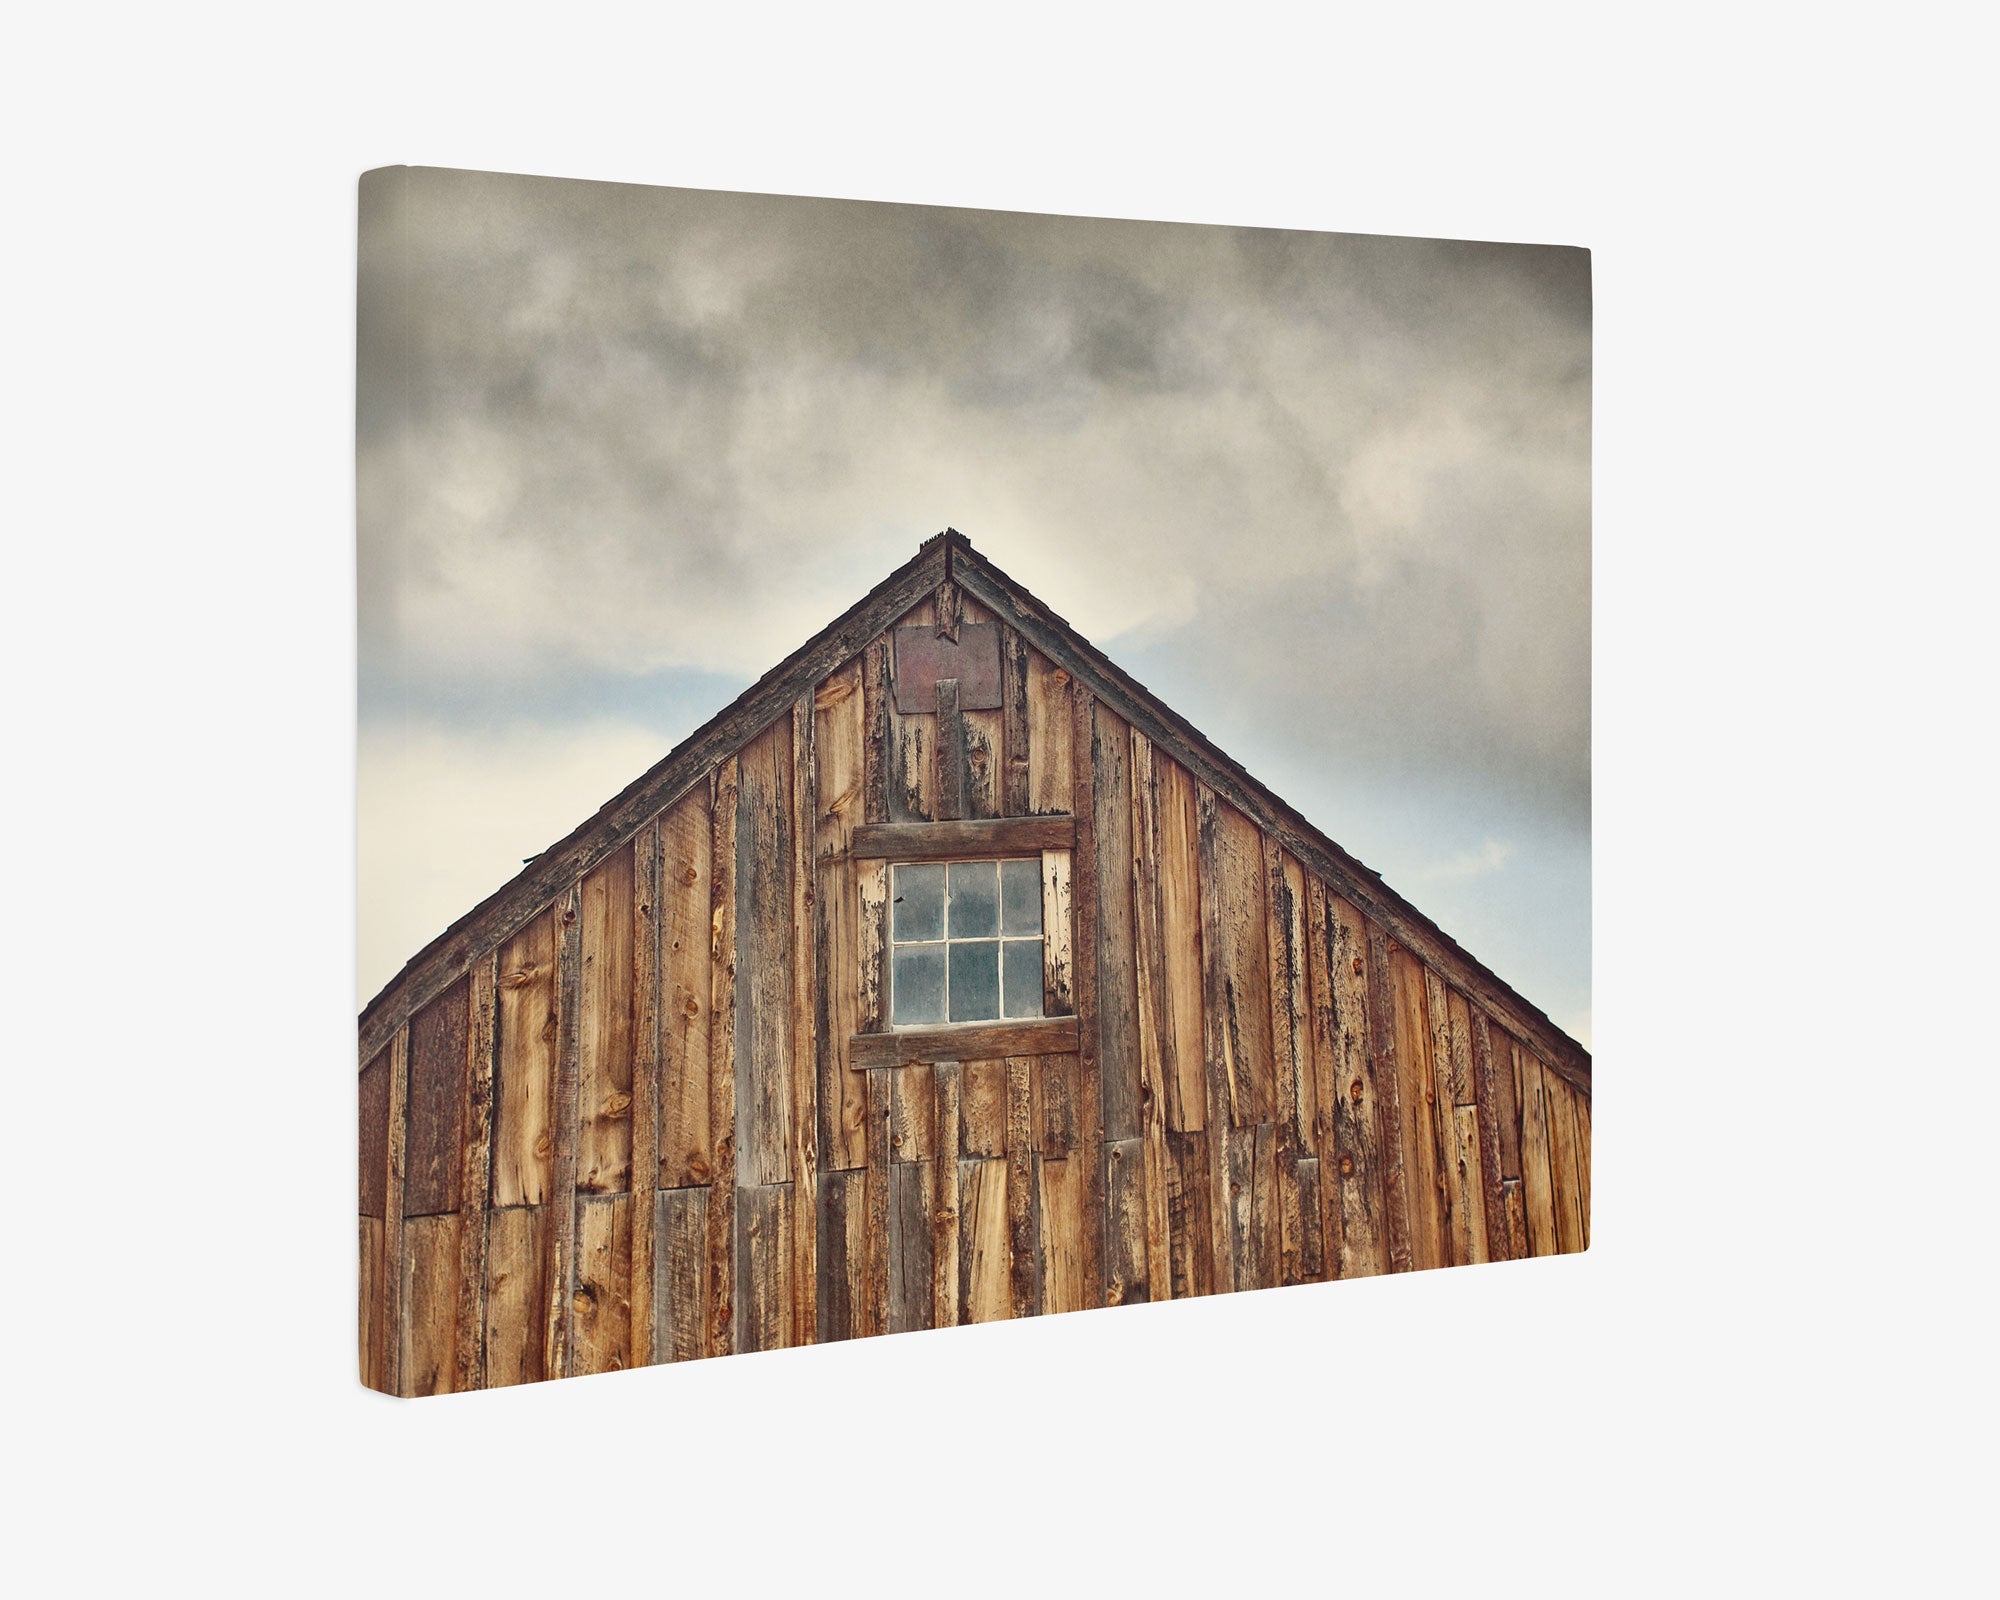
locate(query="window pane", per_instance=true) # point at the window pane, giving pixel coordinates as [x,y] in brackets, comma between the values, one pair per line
[917,985]
[1020,897]
[975,980]
[1021,962]
[919,902]
[975,900]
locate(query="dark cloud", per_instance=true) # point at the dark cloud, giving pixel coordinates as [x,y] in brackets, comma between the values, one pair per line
[1336,486]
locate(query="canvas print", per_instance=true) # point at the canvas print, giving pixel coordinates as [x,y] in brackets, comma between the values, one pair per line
[871,722]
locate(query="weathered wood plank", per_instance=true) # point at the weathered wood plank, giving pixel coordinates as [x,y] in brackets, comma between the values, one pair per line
[912,736]
[1518,1248]
[1323,1040]
[983,1257]
[1537,1187]
[1084,876]
[985,763]
[1493,1200]
[763,1036]
[560,1256]
[1266,1215]
[912,1245]
[953,840]
[839,734]
[1015,792]
[430,1304]
[524,1121]
[1507,1100]
[680,1275]
[1023,1249]
[687,1152]
[516,1270]
[449,955]
[876,755]
[646,980]
[1053,1084]
[435,1148]
[720,1217]
[1125,1281]
[1301,1235]
[394,1162]
[949,786]
[1364,1129]
[1116,991]
[872,1312]
[475,1185]
[802,1127]
[1227,1153]
[1463,1180]
[1051,786]
[604,1135]
[763,1259]
[1296,1102]
[1417,1090]
[1563,1179]
[1156,1040]
[1238,982]
[374,1294]
[1580,1105]
[963,1041]
[1473,1242]
[1180,949]
[1190,1237]
[983,1108]
[842,1229]
[603,1294]
[374,1141]
[946,1134]
[1066,1279]
[1385,1088]
[1439,1099]
[913,1112]
[1058,934]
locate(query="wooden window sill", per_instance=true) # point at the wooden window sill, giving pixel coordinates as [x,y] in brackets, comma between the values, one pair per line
[965,1041]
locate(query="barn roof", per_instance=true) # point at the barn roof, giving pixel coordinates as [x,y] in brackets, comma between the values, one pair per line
[945,556]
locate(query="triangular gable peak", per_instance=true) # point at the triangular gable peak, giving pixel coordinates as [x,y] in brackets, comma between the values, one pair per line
[946,580]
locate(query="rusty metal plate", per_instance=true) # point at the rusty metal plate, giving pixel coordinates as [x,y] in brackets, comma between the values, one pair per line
[922,658]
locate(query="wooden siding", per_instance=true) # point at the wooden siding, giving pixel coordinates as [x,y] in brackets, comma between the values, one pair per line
[634,1130]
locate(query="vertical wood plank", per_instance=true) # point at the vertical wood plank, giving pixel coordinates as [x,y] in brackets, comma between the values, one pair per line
[374,1292]
[1190,1239]
[1156,1040]
[435,1143]
[1084,935]
[944,1142]
[1236,964]
[841,1263]
[763,978]
[720,1217]
[1418,1090]
[983,1240]
[949,788]
[912,1245]
[374,1126]
[602,1309]
[1060,1188]
[913,761]
[1225,1156]
[1058,934]
[1580,1105]
[1537,1189]
[516,1271]
[561,1255]
[604,1136]
[763,1259]
[1115,991]
[476,1181]
[1563,1179]
[1456,1093]
[1014,787]
[1023,1249]
[1054,1087]
[1440,1100]
[983,1109]
[839,741]
[1180,949]
[1493,1199]
[1301,1238]
[392,1214]
[524,1098]
[680,1293]
[802,1128]
[878,1192]
[912,1111]
[1473,1244]
[430,1304]
[1296,1101]
[687,1157]
[1125,1230]
[1051,752]
[643,1216]
[1385,1084]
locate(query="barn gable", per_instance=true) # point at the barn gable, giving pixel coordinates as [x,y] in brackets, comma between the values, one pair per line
[648,1102]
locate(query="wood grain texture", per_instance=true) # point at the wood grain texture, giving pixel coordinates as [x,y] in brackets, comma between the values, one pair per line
[1291,1017]
[1563,1162]
[763,1258]
[802,1125]
[949,788]
[912,747]
[720,1217]
[604,1133]
[839,737]
[962,1041]
[516,1270]
[1058,934]
[1089,1152]
[946,1134]
[1179,875]
[1417,1087]
[374,1136]
[374,1296]
[1385,1077]
[646,996]
[680,1275]
[763,966]
[1157,1044]
[842,1230]
[1015,789]
[983,1108]
[986,1295]
[524,1095]
[475,1187]
[601,1310]
[1537,1184]
[435,1151]
[390,1313]
[687,1152]
[429,1332]
[561,1255]
[1238,992]
[1493,1200]
[912,1112]
[1051,786]
[1023,1246]
[913,1245]
[1115,989]
[1363,1133]
[957,840]
[1226,1152]
[1190,1200]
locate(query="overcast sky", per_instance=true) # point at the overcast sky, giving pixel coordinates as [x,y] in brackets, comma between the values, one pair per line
[621,449]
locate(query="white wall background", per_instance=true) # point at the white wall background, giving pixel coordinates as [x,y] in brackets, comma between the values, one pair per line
[1765,1374]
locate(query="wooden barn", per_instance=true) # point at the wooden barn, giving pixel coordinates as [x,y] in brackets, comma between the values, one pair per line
[946,976]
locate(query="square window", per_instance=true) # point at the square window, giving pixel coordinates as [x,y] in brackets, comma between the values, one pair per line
[965,941]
